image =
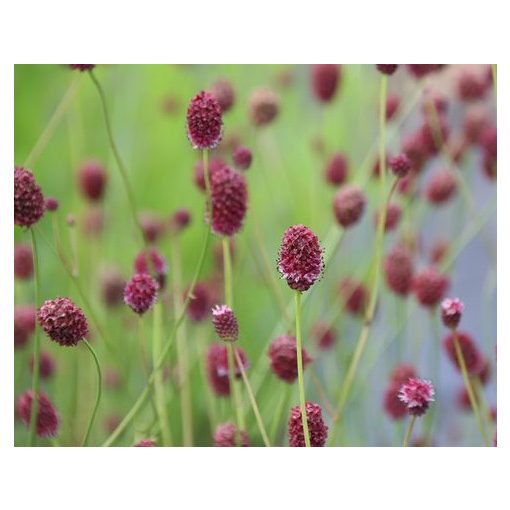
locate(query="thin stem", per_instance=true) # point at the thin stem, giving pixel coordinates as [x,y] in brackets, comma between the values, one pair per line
[99,389]
[409,431]
[301,383]
[469,388]
[322,393]
[142,347]
[32,436]
[495,78]
[479,394]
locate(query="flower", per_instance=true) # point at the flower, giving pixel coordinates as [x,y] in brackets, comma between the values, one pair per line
[393,213]
[224,93]
[23,262]
[283,356]
[226,435]
[242,157]
[441,187]
[180,219]
[264,106]
[401,373]
[47,418]
[199,304]
[92,180]
[336,169]
[416,394]
[300,258]
[429,286]
[112,287]
[217,368]
[151,262]
[28,198]
[348,205]
[421,70]
[325,336]
[24,324]
[392,106]
[140,293]
[398,270]
[471,87]
[152,226]
[82,67]
[215,163]
[225,323]
[392,404]
[354,295]
[451,312]
[400,165]
[146,443]
[325,79]
[47,365]
[317,429]
[473,359]
[63,321]
[387,69]
[51,204]
[204,121]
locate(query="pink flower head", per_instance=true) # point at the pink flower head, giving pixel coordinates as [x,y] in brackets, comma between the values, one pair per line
[23,262]
[473,358]
[414,148]
[24,325]
[217,368]
[451,312]
[348,205]
[336,169]
[398,270]
[47,365]
[317,429]
[264,106]
[141,293]
[81,67]
[324,334]
[225,323]
[146,443]
[224,93]
[180,219]
[325,79]
[63,321]
[441,187]
[429,286]
[112,288]
[47,418]
[92,180]
[28,198]
[283,356]
[421,70]
[417,394]
[242,157]
[200,303]
[51,204]
[215,163]
[151,262]
[392,219]
[226,435]
[300,258]
[354,295]
[400,165]
[152,226]
[204,121]
[392,106]
[387,69]
[471,87]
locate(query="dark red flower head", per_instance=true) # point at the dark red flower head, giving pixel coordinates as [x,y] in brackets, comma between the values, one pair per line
[441,187]
[150,261]
[336,169]
[82,67]
[471,87]
[229,195]
[414,148]
[417,394]
[226,435]
[204,121]
[432,135]
[223,91]
[393,406]
[325,80]
[430,286]
[225,323]
[24,325]
[324,334]
[242,157]
[392,219]
[180,219]
[401,373]
[47,418]
[112,287]
[317,429]
[28,198]
[144,443]
[476,119]
[92,180]
[215,164]
[451,312]
[354,295]
[348,205]
[152,226]
[51,204]
[400,165]
[264,106]
[392,106]
[217,368]
[283,356]
[47,365]
[141,293]
[387,69]
[300,258]
[63,321]
[473,358]
[200,303]
[23,262]
[421,70]
[398,270]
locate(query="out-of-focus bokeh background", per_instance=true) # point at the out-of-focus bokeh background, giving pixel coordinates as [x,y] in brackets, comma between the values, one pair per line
[286,186]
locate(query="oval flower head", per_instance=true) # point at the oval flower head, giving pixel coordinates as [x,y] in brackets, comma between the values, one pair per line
[225,323]
[300,258]
[204,121]
[451,312]
[416,394]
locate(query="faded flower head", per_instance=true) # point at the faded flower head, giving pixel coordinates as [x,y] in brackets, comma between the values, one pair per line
[226,435]
[28,198]
[47,365]
[23,262]
[429,286]
[324,334]
[200,302]
[348,205]
[223,91]
[400,165]
[24,325]
[47,419]
[283,356]
[398,270]
[140,293]
[451,312]
[180,219]
[150,261]
[81,67]
[242,157]
[225,323]
[204,121]
[317,429]
[112,286]
[217,368]
[417,394]
[92,180]
[387,69]
[441,187]
[336,169]
[354,295]
[264,106]
[325,79]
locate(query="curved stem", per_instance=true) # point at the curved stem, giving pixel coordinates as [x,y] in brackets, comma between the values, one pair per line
[99,390]
[409,431]
[37,350]
[301,383]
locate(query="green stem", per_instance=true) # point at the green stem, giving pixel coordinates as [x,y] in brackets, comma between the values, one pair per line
[469,388]
[409,431]
[99,389]
[301,383]
[32,436]
[282,404]
[495,78]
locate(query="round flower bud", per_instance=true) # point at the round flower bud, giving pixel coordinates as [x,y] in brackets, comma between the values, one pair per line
[152,226]
[47,365]
[300,258]
[63,321]
[217,368]
[354,295]
[336,169]
[348,205]
[226,435]
[387,69]
[471,87]
[200,303]
[92,180]
[325,335]
[317,429]
[283,356]
[82,67]
[151,262]
[112,286]
[441,187]
[180,219]
[400,165]
[417,394]
[242,157]
[28,198]
[141,293]
[225,323]
[429,286]
[23,262]
[398,270]
[451,312]
[473,358]
[204,121]
[325,79]
[224,93]
[47,422]
[144,443]
[24,325]
[51,204]
[264,106]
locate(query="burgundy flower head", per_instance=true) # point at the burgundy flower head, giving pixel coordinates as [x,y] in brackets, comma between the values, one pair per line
[82,67]
[317,429]
[141,293]
[421,70]
[471,87]
[47,418]
[475,121]
[283,356]
[324,334]
[392,106]
[264,106]
[429,286]
[92,180]
[300,258]
[229,201]
[223,91]
[225,323]
[242,157]
[325,79]
[151,262]
[354,295]
[398,270]
[217,368]
[152,226]
[392,219]
[226,435]
[402,373]
[180,219]
[387,69]
[200,303]
[144,443]
[473,358]
[51,204]
[28,198]
[439,250]
[63,321]
[23,262]
[393,406]
[24,325]
[432,136]
[47,365]
[417,394]
[112,288]
[336,169]
[451,312]
[348,205]
[215,163]
[441,187]
[414,147]
[400,165]
[204,121]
